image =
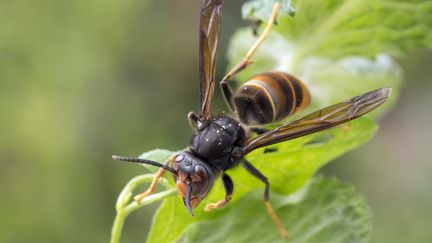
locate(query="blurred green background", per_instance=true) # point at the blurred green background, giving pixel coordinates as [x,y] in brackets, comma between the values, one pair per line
[82,80]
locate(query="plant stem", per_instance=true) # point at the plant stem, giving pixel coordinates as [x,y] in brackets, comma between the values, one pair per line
[124,208]
[117,227]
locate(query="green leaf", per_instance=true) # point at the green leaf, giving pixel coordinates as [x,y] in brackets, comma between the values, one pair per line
[323,211]
[329,81]
[261,10]
[288,169]
[338,28]
[170,221]
[352,76]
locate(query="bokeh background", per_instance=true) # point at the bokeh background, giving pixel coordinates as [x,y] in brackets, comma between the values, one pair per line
[82,80]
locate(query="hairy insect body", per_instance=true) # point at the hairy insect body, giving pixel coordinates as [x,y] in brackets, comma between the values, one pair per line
[216,141]
[270,97]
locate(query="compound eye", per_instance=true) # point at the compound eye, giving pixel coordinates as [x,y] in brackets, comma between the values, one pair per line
[179,158]
[201,172]
[200,181]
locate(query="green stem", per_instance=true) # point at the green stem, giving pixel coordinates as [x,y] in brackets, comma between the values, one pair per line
[117,227]
[124,207]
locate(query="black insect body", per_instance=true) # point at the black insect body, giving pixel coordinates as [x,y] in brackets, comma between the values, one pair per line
[215,148]
[217,141]
[221,142]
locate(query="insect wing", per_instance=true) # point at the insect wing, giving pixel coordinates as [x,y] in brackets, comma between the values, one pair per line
[210,23]
[320,120]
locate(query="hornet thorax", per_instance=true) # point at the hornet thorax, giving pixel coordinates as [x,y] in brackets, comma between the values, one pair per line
[217,141]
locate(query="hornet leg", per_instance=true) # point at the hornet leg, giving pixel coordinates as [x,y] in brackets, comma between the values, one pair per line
[153,184]
[229,188]
[226,90]
[249,167]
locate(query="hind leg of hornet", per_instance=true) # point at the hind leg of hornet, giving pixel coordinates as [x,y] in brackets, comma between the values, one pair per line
[226,90]
[249,167]
[153,184]
[229,188]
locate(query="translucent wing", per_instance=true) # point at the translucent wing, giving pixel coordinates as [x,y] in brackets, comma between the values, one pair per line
[211,13]
[320,120]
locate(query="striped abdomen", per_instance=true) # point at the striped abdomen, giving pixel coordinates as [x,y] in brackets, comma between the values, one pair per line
[270,97]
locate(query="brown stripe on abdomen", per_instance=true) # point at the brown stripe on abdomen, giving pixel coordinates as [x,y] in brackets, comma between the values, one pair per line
[302,94]
[270,97]
[254,104]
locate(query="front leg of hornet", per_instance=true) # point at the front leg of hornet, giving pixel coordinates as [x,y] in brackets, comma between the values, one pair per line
[229,188]
[152,187]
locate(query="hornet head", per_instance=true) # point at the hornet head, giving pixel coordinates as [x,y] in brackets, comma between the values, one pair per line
[193,177]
